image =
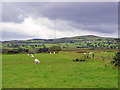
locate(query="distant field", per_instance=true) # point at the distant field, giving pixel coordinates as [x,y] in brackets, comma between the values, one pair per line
[90,42]
[58,71]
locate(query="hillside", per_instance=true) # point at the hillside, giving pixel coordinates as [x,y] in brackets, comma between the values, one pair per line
[68,43]
[63,40]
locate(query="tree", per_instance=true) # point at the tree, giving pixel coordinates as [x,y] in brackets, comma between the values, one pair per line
[35,45]
[44,49]
[111,47]
[8,45]
[55,48]
[116,59]
[32,50]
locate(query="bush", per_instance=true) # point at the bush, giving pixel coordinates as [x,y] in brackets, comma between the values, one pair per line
[116,59]
[4,50]
[12,52]
[31,50]
[77,60]
[55,48]
[81,51]
[82,59]
[44,49]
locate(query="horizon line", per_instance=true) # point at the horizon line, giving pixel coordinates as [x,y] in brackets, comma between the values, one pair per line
[55,38]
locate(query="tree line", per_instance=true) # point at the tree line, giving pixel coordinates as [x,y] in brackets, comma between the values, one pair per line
[32,50]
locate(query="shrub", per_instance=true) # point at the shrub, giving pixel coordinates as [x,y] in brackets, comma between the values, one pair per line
[81,51]
[55,48]
[116,59]
[4,50]
[44,49]
[82,59]
[77,60]
[12,52]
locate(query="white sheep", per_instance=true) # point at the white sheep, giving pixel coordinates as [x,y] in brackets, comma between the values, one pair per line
[54,52]
[32,56]
[90,52]
[37,61]
[50,53]
[84,53]
[28,54]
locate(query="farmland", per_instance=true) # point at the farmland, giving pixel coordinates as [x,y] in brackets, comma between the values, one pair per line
[88,42]
[59,71]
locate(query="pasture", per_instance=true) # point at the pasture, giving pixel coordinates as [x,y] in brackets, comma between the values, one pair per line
[58,71]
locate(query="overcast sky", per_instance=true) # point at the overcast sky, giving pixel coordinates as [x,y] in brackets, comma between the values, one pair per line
[40,19]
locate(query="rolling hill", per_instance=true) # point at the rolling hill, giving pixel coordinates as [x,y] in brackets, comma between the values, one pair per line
[67,43]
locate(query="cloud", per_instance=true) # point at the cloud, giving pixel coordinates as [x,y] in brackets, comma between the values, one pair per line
[29,27]
[45,28]
[23,20]
[85,12]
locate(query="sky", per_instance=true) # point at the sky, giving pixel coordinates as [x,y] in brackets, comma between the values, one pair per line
[48,20]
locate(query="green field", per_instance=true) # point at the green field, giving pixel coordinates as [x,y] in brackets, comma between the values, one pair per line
[58,71]
[89,42]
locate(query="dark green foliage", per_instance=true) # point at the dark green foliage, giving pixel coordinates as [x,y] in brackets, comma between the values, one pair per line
[116,59]
[14,51]
[22,50]
[82,59]
[55,48]
[44,49]
[4,50]
[79,60]
[81,52]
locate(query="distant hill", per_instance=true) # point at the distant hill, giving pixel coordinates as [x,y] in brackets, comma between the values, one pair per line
[90,42]
[63,40]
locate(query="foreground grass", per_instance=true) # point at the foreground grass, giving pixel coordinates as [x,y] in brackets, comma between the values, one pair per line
[56,71]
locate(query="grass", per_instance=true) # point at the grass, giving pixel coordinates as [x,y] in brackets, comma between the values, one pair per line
[57,71]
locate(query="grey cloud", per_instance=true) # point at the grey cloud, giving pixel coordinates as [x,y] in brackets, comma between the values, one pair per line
[7,35]
[10,13]
[99,27]
[78,12]
[92,16]
[84,12]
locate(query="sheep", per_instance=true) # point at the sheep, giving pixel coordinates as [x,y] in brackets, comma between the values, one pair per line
[90,52]
[54,52]
[32,56]
[28,54]
[37,61]
[50,53]
[103,52]
[84,53]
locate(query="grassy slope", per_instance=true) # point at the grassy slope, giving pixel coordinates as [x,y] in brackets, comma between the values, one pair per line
[57,71]
[69,43]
